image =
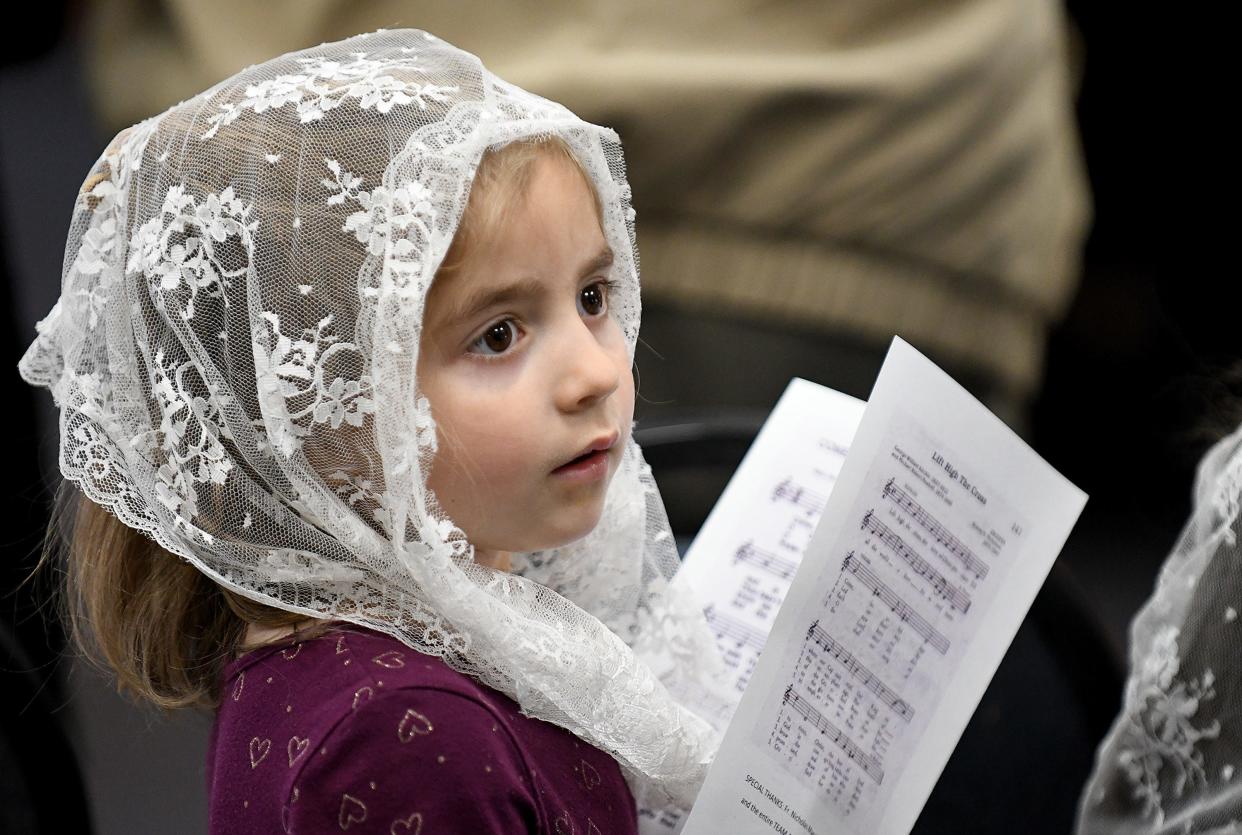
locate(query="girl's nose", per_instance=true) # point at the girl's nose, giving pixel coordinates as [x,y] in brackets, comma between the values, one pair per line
[588,372]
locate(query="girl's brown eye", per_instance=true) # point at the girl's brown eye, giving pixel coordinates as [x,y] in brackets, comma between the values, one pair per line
[593,299]
[496,339]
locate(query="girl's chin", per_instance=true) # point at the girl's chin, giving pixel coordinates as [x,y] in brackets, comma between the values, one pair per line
[582,531]
[553,539]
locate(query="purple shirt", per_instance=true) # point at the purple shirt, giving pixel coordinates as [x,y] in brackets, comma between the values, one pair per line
[356,732]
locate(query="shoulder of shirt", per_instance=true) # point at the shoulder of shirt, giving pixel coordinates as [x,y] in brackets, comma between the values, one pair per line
[386,670]
[352,656]
[405,711]
[363,676]
[472,717]
[359,666]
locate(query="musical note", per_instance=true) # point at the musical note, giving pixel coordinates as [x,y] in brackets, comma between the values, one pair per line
[766,560]
[799,495]
[957,598]
[870,764]
[726,627]
[894,602]
[860,672]
[797,534]
[930,524]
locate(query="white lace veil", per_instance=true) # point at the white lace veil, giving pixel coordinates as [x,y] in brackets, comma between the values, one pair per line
[1172,762]
[234,352]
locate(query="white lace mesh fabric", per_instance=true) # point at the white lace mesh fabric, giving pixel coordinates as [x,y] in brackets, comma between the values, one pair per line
[234,355]
[1172,762]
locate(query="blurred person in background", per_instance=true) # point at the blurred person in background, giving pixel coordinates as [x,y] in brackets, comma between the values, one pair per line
[812,178]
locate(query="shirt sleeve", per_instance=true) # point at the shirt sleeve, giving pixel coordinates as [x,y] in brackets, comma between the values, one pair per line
[415,760]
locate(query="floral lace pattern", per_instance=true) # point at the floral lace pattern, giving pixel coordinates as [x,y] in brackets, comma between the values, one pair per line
[1161,732]
[1168,764]
[324,84]
[292,370]
[180,247]
[1226,498]
[408,208]
[189,432]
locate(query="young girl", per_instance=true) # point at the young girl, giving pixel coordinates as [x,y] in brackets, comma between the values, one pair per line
[342,356]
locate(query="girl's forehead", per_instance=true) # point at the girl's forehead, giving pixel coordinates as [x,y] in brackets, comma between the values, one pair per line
[467,293]
[548,234]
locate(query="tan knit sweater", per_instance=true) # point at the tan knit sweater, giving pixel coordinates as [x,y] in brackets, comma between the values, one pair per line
[868,167]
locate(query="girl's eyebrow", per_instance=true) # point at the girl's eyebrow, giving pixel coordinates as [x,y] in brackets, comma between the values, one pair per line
[599,262]
[479,299]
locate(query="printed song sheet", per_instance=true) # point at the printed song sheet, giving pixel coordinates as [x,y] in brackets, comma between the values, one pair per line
[939,531]
[743,560]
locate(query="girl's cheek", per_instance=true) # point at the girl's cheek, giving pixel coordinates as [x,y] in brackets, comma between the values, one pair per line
[489,445]
[502,467]
[626,390]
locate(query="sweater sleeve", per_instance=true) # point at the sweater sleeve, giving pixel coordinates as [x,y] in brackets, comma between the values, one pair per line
[414,760]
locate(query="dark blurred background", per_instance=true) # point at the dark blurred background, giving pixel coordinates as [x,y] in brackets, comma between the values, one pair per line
[1134,386]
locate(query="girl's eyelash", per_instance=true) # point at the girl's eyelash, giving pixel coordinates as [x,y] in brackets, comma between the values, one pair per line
[610,285]
[483,335]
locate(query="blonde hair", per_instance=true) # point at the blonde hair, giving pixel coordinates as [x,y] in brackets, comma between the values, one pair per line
[502,176]
[148,616]
[165,629]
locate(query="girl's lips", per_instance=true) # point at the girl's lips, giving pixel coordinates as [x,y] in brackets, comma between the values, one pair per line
[602,444]
[586,469]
